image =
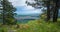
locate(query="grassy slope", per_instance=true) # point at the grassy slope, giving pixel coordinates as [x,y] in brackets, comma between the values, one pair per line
[34,26]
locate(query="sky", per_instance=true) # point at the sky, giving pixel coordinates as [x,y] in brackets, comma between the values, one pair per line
[22,7]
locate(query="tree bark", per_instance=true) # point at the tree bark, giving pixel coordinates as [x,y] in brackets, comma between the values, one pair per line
[48,10]
[55,12]
[3,12]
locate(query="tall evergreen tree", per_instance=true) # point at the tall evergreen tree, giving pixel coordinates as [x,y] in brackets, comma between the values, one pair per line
[8,12]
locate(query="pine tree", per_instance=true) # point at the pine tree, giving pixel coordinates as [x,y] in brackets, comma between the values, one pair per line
[8,12]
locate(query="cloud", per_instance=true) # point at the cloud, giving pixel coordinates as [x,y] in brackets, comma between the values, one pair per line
[28,11]
[31,1]
[22,7]
[21,3]
[18,2]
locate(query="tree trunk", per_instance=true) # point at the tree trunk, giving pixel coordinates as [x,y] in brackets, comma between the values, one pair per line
[55,12]
[3,13]
[48,10]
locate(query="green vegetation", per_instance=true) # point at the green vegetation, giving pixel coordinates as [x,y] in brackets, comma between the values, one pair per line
[33,26]
[7,12]
[44,24]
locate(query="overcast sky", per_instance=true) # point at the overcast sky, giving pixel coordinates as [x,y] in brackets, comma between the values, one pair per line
[22,7]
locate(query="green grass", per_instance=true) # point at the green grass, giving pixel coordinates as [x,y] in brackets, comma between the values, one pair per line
[34,26]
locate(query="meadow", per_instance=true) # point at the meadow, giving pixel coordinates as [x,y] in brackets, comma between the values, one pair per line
[32,26]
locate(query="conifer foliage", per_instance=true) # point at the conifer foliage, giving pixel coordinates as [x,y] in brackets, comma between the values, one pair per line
[8,12]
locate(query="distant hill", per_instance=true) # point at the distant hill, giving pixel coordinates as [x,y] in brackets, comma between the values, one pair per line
[32,16]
